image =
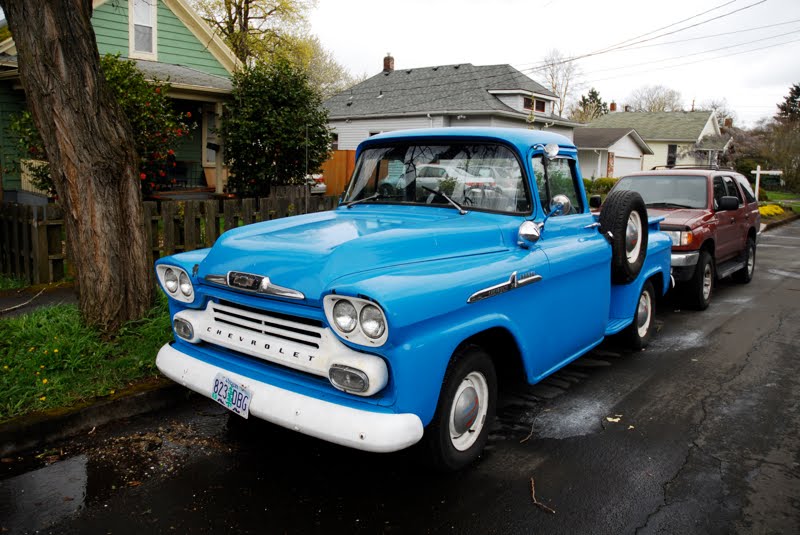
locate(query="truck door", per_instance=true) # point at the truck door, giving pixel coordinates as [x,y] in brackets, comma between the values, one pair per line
[575,300]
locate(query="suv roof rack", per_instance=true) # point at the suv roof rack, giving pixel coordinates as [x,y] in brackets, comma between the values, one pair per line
[712,167]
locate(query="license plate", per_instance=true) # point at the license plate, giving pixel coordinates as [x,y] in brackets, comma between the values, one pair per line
[232,396]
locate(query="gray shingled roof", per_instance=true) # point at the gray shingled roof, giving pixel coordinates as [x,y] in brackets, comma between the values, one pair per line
[451,88]
[178,74]
[657,126]
[174,74]
[602,138]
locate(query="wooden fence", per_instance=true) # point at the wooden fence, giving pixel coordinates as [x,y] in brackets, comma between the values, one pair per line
[337,170]
[33,240]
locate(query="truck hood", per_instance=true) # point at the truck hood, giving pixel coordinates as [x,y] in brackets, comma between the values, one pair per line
[683,217]
[307,253]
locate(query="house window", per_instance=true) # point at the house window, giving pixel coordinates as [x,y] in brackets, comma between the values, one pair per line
[143,28]
[534,104]
[334,141]
[672,155]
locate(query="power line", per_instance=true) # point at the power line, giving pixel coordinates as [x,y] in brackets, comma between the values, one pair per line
[656,30]
[650,62]
[743,30]
[536,69]
[621,47]
[699,60]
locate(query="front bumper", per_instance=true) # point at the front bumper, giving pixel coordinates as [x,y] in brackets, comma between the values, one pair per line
[347,426]
[685,259]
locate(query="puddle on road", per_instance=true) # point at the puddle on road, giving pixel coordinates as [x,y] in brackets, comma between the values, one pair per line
[64,479]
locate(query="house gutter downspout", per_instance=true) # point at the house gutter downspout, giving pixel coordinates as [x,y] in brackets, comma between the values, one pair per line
[599,162]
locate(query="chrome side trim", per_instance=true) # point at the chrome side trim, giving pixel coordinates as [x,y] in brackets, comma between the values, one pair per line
[264,286]
[514,282]
[217,279]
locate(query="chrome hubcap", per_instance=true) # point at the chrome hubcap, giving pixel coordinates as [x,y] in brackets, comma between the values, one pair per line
[633,233]
[751,261]
[643,315]
[468,412]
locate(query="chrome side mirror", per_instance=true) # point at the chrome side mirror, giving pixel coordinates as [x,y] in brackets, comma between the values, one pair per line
[529,234]
[560,205]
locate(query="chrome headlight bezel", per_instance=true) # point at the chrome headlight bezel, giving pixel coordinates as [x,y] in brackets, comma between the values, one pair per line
[358,335]
[182,277]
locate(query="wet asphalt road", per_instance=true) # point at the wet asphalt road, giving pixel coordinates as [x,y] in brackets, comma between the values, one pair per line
[700,433]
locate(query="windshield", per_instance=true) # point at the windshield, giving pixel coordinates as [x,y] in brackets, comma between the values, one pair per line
[474,176]
[668,191]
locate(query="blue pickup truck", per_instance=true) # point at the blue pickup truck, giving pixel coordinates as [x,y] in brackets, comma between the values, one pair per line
[387,321]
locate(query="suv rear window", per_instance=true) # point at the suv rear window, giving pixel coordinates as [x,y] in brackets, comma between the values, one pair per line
[748,191]
[668,191]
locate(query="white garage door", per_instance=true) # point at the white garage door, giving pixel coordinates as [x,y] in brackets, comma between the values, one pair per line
[624,166]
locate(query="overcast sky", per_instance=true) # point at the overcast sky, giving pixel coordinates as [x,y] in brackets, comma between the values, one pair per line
[751,66]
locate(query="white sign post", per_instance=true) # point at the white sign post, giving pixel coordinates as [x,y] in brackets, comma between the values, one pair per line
[758,172]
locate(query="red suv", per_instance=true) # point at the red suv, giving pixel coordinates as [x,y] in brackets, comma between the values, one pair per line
[713,220]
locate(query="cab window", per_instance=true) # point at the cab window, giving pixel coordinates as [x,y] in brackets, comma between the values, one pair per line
[557,177]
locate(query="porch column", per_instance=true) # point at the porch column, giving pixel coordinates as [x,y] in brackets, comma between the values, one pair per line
[218,152]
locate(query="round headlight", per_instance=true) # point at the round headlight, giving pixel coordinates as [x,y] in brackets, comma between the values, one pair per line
[171,280]
[372,322]
[345,316]
[186,284]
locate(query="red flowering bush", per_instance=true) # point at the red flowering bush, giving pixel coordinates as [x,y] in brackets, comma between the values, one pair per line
[156,126]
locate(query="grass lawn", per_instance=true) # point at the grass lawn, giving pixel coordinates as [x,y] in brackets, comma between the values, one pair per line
[11,283]
[50,359]
[774,196]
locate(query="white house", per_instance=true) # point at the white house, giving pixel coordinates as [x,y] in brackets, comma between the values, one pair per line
[676,138]
[447,95]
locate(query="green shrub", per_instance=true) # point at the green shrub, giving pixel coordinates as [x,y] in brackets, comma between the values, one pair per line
[274,128]
[603,185]
[587,185]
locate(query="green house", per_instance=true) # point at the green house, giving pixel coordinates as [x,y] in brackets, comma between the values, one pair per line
[169,42]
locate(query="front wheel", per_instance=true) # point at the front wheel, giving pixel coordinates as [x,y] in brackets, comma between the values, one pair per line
[701,285]
[640,331]
[458,432]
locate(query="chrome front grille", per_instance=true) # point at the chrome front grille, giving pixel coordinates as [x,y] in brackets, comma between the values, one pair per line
[303,331]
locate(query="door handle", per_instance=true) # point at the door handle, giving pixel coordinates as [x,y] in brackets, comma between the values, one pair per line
[733,220]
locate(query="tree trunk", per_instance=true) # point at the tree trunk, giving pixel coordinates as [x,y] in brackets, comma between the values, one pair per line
[90,147]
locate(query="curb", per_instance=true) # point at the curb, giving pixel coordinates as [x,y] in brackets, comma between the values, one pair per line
[782,222]
[33,430]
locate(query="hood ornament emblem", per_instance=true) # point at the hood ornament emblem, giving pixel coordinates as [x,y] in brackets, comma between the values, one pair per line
[250,282]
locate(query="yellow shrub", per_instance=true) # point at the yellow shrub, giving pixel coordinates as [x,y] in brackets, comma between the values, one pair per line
[770,210]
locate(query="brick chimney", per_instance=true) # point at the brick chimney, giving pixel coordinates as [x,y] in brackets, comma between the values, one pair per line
[612,107]
[728,123]
[388,63]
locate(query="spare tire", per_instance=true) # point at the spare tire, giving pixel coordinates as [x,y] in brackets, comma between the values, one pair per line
[624,216]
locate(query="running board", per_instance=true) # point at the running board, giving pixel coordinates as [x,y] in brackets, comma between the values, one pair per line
[729,268]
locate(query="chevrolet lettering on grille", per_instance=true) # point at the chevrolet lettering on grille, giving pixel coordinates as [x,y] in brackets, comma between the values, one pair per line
[264,348]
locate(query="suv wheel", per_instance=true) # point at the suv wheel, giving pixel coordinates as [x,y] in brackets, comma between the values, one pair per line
[701,285]
[745,274]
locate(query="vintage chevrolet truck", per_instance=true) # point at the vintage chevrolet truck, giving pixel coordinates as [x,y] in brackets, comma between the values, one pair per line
[388,321]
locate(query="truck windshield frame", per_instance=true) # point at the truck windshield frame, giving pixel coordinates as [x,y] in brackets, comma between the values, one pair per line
[413,173]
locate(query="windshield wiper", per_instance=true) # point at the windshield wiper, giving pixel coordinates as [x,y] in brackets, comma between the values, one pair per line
[373,197]
[447,198]
[667,205]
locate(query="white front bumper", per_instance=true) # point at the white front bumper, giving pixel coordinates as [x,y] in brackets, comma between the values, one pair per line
[354,428]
